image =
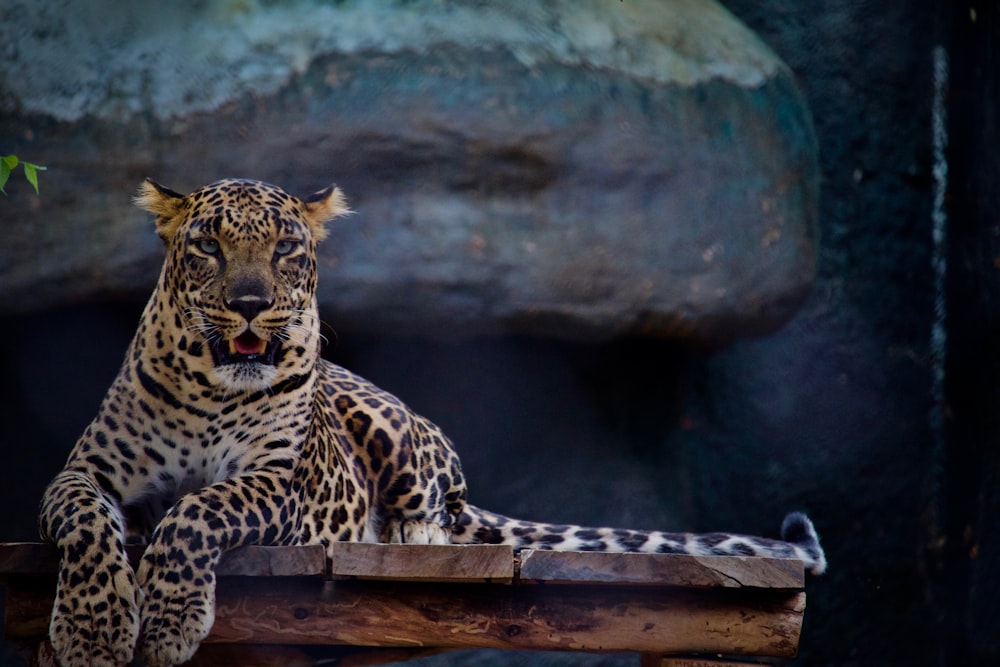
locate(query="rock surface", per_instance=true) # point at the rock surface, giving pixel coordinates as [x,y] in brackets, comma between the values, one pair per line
[578,169]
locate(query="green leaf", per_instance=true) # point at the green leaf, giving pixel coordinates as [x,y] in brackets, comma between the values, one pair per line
[7,164]
[31,173]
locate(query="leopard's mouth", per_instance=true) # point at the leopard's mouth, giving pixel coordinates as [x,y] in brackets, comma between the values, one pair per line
[245,348]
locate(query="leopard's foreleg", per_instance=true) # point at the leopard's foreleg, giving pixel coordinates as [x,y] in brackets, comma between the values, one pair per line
[95,618]
[177,569]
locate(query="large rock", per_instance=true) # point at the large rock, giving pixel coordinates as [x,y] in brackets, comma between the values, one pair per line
[578,168]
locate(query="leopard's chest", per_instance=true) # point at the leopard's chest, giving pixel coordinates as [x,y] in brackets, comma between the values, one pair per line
[182,445]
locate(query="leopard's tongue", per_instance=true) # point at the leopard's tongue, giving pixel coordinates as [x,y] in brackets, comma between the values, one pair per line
[248,343]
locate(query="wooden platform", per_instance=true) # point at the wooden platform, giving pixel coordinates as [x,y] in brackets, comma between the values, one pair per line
[292,606]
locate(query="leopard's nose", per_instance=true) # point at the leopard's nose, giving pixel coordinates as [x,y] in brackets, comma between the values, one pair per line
[249,305]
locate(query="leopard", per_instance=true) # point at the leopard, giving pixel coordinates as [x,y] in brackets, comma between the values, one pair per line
[225,426]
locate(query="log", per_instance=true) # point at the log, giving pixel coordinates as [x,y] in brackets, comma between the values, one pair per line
[590,618]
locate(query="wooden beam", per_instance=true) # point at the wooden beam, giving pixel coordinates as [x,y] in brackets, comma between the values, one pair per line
[661,570]
[254,561]
[17,558]
[489,563]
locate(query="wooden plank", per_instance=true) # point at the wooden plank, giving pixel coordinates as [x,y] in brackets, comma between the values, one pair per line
[256,561]
[41,558]
[661,570]
[580,618]
[423,562]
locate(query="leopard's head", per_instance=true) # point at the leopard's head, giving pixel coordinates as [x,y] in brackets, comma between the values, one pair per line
[240,275]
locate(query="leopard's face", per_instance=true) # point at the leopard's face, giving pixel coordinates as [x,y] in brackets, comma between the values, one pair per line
[241,275]
[244,276]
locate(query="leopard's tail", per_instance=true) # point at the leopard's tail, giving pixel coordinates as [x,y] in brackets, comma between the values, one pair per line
[798,538]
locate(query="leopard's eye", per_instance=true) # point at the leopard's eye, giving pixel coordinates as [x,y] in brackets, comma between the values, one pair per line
[284,247]
[209,246]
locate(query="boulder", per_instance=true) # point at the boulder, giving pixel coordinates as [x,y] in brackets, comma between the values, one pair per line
[579,169]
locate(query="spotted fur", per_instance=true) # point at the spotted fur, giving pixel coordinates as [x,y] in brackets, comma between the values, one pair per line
[224,427]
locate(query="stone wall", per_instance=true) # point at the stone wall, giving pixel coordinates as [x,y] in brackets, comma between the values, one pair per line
[575,169]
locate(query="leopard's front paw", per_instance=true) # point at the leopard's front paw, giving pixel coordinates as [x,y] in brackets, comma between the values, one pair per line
[95,618]
[177,612]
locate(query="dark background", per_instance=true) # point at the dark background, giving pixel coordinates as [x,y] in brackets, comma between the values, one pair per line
[834,414]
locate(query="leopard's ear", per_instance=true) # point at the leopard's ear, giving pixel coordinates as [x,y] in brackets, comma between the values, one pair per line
[164,203]
[321,207]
